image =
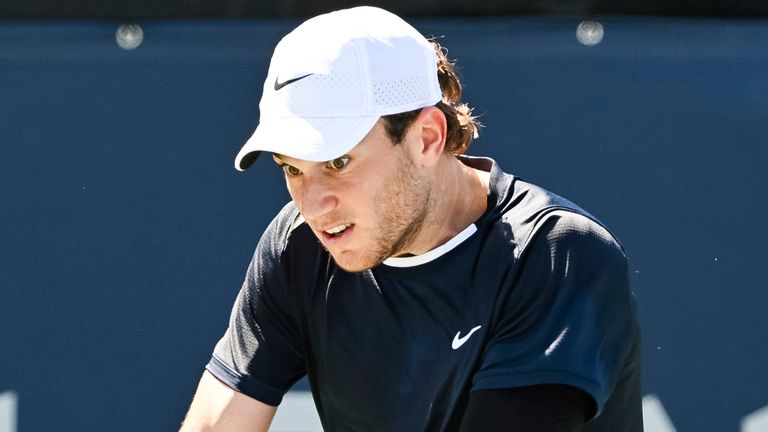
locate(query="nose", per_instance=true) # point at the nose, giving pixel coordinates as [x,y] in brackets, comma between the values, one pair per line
[316,197]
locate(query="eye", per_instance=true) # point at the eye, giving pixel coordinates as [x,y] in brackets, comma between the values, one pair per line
[338,163]
[291,170]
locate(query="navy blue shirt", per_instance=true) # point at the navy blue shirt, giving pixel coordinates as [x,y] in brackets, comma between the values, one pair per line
[534,292]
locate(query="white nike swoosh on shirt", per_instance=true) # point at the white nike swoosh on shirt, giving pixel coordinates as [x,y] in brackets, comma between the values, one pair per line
[457,341]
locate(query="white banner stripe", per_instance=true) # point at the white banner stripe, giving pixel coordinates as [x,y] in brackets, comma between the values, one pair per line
[655,418]
[8,402]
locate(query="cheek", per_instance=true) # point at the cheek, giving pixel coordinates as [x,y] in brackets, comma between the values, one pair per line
[294,191]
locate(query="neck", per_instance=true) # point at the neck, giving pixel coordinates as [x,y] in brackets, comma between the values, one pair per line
[459,198]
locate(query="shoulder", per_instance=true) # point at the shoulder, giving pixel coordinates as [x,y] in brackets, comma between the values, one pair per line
[287,228]
[286,220]
[285,235]
[576,254]
[288,245]
[554,239]
[570,230]
[530,214]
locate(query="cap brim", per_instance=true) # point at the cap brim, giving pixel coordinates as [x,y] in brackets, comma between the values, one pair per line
[316,139]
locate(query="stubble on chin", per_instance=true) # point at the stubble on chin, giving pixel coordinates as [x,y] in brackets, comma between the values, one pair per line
[402,207]
[407,201]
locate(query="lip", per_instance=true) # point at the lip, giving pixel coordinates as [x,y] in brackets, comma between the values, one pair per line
[330,239]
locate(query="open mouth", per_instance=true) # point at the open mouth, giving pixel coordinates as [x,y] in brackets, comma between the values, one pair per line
[337,231]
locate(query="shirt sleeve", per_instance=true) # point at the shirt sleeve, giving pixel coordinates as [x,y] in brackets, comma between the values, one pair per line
[260,355]
[568,317]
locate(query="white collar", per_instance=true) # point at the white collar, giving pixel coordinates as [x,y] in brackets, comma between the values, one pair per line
[413,261]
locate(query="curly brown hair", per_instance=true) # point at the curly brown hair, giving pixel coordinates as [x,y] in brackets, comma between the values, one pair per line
[462,125]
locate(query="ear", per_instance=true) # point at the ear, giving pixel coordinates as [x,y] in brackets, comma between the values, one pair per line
[431,128]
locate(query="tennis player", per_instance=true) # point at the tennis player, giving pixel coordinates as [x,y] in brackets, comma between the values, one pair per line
[418,289]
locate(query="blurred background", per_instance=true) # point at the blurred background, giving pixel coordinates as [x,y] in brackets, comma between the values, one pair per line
[125,231]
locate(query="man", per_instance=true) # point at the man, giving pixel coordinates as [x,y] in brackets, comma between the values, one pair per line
[417,288]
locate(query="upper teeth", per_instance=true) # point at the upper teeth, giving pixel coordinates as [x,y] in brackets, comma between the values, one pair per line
[338,229]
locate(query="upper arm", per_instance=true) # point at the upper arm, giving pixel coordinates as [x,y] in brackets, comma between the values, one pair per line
[218,407]
[541,408]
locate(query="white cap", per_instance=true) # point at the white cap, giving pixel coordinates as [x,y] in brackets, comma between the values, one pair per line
[332,77]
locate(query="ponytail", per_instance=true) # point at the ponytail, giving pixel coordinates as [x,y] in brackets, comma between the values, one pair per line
[462,125]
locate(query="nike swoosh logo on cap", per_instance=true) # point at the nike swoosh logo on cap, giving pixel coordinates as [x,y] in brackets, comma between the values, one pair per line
[458,342]
[279,85]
